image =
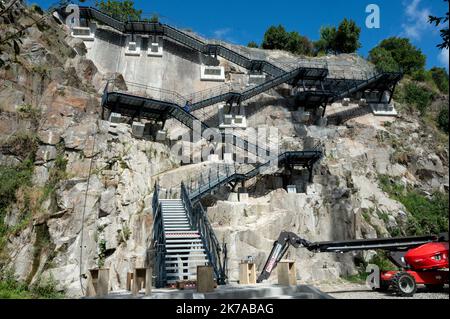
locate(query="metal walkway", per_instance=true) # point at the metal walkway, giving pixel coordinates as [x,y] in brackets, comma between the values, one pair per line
[317,89]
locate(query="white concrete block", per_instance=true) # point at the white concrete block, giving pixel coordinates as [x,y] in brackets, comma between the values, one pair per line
[83,33]
[233,197]
[212,73]
[161,135]
[115,118]
[227,119]
[383,109]
[133,49]
[243,197]
[362,102]
[213,157]
[155,49]
[228,158]
[292,189]
[239,119]
[137,129]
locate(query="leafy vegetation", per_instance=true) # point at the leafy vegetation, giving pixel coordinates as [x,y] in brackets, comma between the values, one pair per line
[444,31]
[417,96]
[11,288]
[277,38]
[383,60]
[429,214]
[11,180]
[252,44]
[343,39]
[120,10]
[409,58]
[440,78]
[443,119]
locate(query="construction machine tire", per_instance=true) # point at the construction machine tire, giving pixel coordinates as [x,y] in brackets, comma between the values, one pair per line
[404,284]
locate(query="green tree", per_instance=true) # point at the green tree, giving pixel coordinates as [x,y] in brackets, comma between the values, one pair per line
[409,58]
[299,44]
[444,31]
[383,60]
[253,44]
[326,42]
[440,77]
[347,37]
[275,38]
[121,10]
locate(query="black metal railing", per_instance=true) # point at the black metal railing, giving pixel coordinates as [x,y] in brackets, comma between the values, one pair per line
[158,241]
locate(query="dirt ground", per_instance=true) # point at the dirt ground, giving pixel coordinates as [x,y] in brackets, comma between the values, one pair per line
[361,291]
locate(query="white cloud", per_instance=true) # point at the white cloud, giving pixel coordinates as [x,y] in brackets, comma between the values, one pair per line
[416,20]
[443,58]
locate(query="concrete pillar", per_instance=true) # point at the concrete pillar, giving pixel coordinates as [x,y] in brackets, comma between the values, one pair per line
[148,281]
[129,280]
[205,279]
[115,118]
[137,129]
[292,189]
[139,279]
[233,197]
[247,274]
[243,197]
[228,158]
[92,280]
[287,275]
[103,282]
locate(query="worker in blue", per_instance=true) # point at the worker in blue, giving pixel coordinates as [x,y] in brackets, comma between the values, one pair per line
[187,106]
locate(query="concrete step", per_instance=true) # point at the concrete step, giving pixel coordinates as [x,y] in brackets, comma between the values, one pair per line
[185,241]
[182,234]
[168,229]
[173,222]
[190,262]
[168,246]
[192,266]
[187,250]
[195,258]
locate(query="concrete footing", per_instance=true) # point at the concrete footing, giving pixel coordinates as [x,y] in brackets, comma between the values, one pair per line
[205,279]
[383,109]
[115,118]
[286,272]
[247,274]
[137,129]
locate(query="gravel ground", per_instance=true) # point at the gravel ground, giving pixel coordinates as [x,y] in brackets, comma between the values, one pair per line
[359,291]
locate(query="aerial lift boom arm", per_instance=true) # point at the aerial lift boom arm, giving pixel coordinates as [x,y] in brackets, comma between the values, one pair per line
[287,239]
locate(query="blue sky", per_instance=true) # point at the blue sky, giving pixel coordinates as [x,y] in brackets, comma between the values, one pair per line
[241,21]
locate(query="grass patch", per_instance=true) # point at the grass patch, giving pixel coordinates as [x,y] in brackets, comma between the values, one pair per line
[11,288]
[428,214]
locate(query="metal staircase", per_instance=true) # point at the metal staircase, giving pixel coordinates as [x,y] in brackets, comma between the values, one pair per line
[184,247]
[183,239]
[228,174]
[312,76]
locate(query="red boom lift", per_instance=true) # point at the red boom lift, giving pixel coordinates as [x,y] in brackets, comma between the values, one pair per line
[422,260]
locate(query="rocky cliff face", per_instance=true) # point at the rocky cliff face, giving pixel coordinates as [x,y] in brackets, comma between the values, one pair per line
[92,181]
